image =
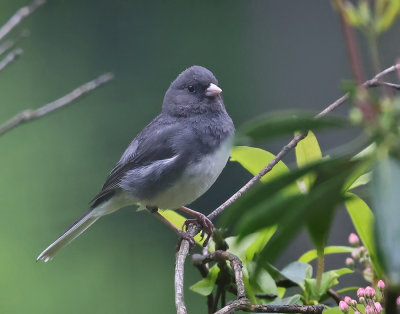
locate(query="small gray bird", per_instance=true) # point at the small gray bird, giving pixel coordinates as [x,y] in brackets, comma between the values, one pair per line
[171,162]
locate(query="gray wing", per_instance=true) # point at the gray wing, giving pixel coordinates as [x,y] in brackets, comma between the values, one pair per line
[154,159]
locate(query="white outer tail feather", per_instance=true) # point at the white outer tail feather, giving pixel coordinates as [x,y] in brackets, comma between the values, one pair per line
[118,201]
[72,233]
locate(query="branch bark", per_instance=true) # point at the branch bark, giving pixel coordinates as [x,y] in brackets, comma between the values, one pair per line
[18,16]
[12,56]
[246,306]
[29,115]
[193,230]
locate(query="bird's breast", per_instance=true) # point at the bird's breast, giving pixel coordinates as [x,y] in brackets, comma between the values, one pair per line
[196,179]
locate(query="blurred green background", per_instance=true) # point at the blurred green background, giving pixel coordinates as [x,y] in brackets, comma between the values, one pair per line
[267,55]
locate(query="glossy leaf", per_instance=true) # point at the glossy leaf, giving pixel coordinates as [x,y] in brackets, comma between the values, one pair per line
[278,124]
[386,200]
[297,272]
[308,151]
[363,221]
[312,254]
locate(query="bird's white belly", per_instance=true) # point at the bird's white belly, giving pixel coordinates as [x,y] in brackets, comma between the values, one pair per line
[195,181]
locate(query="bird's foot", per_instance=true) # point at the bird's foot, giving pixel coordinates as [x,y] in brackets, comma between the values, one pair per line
[206,225]
[184,236]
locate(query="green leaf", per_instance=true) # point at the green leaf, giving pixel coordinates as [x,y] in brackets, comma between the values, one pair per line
[361,180]
[386,200]
[177,220]
[312,254]
[329,280]
[278,124]
[387,18]
[308,151]
[363,221]
[297,272]
[258,245]
[206,286]
[261,282]
[255,159]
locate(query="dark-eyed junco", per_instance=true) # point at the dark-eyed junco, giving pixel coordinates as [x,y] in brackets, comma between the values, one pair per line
[172,161]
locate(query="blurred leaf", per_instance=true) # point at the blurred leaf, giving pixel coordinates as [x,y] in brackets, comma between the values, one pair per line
[261,193]
[361,180]
[206,286]
[266,204]
[363,221]
[386,18]
[351,14]
[278,124]
[178,220]
[297,272]
[332,181]
[255,159]
[312,254]
[386,200]
[258,245]
[262,282]
[308,151]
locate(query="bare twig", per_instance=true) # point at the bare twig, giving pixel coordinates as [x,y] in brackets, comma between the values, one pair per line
[10,58]
[193,230]
[236,265]
[29,115]
[246,306]
[18,16]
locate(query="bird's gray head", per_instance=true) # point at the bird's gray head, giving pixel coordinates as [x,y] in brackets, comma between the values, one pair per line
[194,91]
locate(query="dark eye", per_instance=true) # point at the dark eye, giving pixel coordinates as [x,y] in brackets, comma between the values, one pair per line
[191,88]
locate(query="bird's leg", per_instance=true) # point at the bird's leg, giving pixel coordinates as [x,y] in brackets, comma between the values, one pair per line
[183,235]
[201,219]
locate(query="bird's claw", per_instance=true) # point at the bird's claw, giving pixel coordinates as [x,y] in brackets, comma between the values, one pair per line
[206,225]
[184,236]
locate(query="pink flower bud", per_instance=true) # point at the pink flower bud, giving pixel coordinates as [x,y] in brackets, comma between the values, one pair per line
[347,299]
[369,292]
[360,292]
[378,307]
[343,306]
[398,301]
[353,302]
[362,300]
[353,239]
[350,262]
[369,310]
[381,285]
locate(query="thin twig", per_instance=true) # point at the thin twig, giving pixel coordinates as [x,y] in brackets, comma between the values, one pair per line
[335,295]
[12,56]
[29,115]
[236,265]
[193,229]
[18,16]
[246,306]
